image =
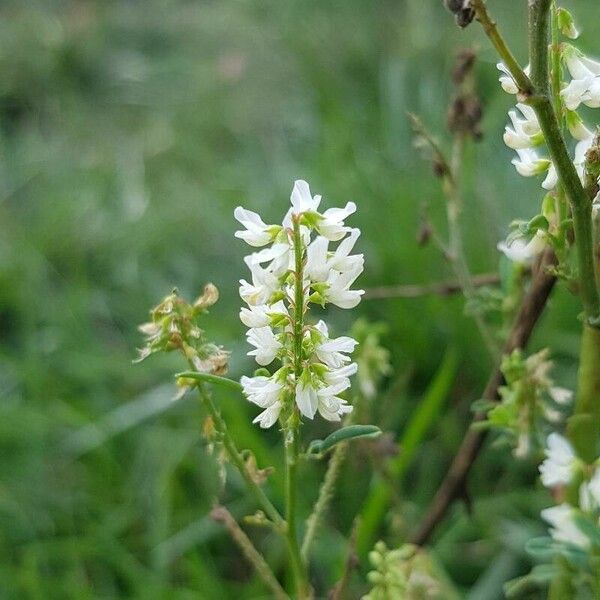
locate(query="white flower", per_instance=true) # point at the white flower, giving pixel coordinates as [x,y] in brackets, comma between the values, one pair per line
[577,127]
[522,251]
[264,283]
[331,223]
[265,343]
[319,262]
[257,232]
[589,493]
[560,395]
[268,417]
[279,256]
[306,399]
[526,131]
[331,407]
[330,352]
[302,200]
[506,79]
[560,463]
[338,290]
[341,375]
[551,178]
[266,393]
[580,151]
[260,316]
[585,85]
[310,399]
[564,528]
[260,390]
[529,163]
[272,296]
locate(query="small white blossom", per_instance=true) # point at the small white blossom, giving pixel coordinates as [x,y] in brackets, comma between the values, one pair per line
[589,493]
[260,316]
[529,163]
[585,85]
[526,132]
[522,251]
[560,395]
[262,391]
[257,232]
[319,261]
[564,528]
[506,79]
[264,283]
[331,352]
[266,344]
[302,200]
[331,224]
[561,462]
[338,290]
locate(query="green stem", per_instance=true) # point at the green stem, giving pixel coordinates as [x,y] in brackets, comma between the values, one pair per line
[581,204]
[237,459]
[556,74]
[325,495]
[489,26]
[455,245]
[291,439]
[584,424]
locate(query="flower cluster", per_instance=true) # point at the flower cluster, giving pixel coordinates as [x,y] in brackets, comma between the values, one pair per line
[529,402]
[406,572]
[525,136]
[573,525]
[174,326]
[294,268]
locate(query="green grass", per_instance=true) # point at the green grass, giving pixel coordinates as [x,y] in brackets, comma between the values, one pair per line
[128,133]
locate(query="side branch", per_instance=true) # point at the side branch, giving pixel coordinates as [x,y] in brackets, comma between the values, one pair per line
[442,288]
[453,485]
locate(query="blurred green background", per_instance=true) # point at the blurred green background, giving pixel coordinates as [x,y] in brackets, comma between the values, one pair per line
[129,131]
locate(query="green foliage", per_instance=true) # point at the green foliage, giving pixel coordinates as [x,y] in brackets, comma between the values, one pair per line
[128,133]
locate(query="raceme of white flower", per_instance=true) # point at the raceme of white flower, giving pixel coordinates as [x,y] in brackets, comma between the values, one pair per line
[525,134]
[562,468]
[295,268]
[564,529]
[561,462]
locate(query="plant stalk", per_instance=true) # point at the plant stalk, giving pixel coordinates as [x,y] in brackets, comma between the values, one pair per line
[291,439]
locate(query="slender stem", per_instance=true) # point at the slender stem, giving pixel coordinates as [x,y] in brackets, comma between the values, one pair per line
[291,440]
[325,495]
[459,261]
[556,73]
[581,205]
[535,92]
[222,515]
[238,460]
[441,288]
[489,26]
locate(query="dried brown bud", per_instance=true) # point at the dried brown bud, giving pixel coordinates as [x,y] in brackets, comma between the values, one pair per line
[463,66]
[462,11]
[464,116]
[209,296]
[424,233]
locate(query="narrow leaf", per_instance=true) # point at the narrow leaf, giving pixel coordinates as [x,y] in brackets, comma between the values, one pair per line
[214,379]
[342,435]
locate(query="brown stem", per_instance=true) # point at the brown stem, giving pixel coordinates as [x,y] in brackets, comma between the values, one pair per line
[453,485]
[222,515]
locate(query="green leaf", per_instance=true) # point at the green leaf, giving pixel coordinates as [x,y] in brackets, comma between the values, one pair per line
[541,547]
[207,378]
[344,434]
[590,529]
